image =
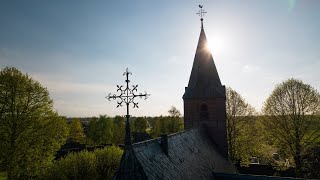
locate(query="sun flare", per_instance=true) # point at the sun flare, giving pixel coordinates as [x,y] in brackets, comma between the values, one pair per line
[217,45]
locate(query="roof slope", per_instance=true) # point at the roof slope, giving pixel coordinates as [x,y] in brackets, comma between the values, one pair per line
[129,168]
[204,80]
[191,155]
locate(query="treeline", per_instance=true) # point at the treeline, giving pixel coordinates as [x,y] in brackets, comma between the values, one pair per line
[31,133]
[251,141]
[111,130]
[286,133]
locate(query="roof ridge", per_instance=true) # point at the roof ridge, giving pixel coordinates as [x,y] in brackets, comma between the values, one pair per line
[158,139]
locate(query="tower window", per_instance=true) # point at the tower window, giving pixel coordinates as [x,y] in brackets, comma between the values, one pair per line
[204,112]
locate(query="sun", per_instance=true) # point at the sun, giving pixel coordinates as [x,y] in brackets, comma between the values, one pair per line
[210,47]
[217,44]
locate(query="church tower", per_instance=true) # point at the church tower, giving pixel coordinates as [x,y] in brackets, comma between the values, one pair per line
[205,97]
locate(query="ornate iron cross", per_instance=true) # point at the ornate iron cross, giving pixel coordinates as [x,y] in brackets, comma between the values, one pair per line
[126,97]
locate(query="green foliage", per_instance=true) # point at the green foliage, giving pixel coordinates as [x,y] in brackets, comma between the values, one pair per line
[75,166]
[249,141]
[106,130]
[290,118]
[100,130]
[108,160]
[156,129]
[3,175]
[76,131]
[173,124]
[119,125]
[140,124]
[241,127]
[30,131]
[166,125]
[100,164]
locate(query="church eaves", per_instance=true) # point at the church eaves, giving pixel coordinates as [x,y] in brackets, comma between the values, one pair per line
[204,80]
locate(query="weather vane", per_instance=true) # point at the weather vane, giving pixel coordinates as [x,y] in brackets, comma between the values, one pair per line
[201,13]
[127,96]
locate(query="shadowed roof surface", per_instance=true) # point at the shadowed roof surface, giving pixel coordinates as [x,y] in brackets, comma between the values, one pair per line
[191,155]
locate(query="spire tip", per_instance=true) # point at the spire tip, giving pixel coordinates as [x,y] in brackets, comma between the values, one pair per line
[201,14]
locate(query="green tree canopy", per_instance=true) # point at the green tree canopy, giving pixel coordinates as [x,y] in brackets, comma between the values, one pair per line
[290,118]
[166,125]
[101,130]
[99,164]
[30,131]
[76,131]
[140,124]
[241,126]
[119,125]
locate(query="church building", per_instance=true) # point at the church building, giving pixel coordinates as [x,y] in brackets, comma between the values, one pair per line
[200,151]
[205,97]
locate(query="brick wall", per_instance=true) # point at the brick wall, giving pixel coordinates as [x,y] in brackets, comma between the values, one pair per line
[215,122]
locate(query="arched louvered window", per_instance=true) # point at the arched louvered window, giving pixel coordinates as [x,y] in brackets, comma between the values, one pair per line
[204,115]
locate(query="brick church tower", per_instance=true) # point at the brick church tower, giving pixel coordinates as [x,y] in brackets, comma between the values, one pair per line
[205,97]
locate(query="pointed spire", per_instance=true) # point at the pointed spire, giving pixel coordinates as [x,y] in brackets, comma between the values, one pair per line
[127,138]
[204,79]
[201,23]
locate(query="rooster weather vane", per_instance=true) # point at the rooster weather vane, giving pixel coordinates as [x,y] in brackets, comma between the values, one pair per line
[127,96]
[201,13]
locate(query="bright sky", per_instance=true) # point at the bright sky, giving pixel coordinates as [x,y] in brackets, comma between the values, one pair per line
[79,49]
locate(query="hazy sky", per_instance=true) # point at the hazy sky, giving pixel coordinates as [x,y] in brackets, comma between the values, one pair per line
[79,49]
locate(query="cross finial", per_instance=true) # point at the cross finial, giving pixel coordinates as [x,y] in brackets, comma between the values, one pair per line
[201,14]
[127,96]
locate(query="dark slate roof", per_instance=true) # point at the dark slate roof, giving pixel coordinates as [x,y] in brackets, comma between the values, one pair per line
[204,80]
[140,136]
[130,167]
[191,155]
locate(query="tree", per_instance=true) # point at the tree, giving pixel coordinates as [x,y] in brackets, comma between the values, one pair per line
[105,129]
[100,130]
[99,164]
[92,137]
[240,126]
[155,126]
[76,131]
[173,111]
[166,125]
[290,117]
[140,124]
[91,131]
[108,161]
[119,125]
[30,131]
[174,124]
